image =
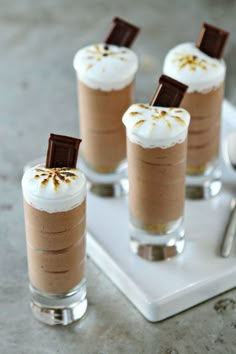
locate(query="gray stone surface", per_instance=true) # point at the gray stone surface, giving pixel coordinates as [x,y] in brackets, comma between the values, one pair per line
[37,96]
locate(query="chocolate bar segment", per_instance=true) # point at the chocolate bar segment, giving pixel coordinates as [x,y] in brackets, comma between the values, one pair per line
[212,40]
[62,151]
[122,33]
[169,93]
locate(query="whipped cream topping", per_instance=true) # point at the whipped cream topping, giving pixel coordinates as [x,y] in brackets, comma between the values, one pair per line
[152,127]
[106,67]
[187,64]
[53,189]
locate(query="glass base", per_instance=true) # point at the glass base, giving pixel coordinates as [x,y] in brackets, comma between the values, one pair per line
[106,184]
[204,186]
[157,247]
[59,309]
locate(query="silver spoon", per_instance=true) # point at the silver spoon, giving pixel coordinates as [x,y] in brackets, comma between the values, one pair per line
[230,230]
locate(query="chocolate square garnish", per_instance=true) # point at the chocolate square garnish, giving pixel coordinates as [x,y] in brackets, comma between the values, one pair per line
[122,33]
[62,151]
[169,93]
[212,40]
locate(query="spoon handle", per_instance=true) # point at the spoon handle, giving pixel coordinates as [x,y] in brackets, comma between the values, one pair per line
[230,232]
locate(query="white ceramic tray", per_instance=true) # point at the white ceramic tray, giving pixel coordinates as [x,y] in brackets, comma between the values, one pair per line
[159,290]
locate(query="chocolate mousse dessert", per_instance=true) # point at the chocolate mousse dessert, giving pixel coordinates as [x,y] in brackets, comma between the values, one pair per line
[55,224]
[105,75]
[201,68]
[156,152]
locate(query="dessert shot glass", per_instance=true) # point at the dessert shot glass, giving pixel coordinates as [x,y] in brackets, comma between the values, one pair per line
[105,80]
[55,223]
[156,152]
[201,68]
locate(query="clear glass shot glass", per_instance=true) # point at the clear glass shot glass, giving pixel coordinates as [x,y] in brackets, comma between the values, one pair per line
[105,81]
[157,153]
[55,225]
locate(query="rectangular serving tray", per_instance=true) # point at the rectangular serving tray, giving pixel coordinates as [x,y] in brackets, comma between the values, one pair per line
[162,289]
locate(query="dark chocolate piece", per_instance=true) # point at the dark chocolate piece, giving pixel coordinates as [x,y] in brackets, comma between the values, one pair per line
[212,40]
[169,93]
[62,151]
[122,33]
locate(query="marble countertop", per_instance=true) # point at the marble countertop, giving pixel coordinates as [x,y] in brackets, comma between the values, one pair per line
[38,96]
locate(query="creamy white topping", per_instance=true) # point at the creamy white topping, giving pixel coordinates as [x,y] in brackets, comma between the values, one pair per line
[53,189]
[187,64]
[106,67]
[152,127]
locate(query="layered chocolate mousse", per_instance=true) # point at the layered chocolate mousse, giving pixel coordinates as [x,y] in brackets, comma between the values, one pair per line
[105,75]
[55,224]
[201,68]
[101,126]
[55,218]
[204,132]
[156,151]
